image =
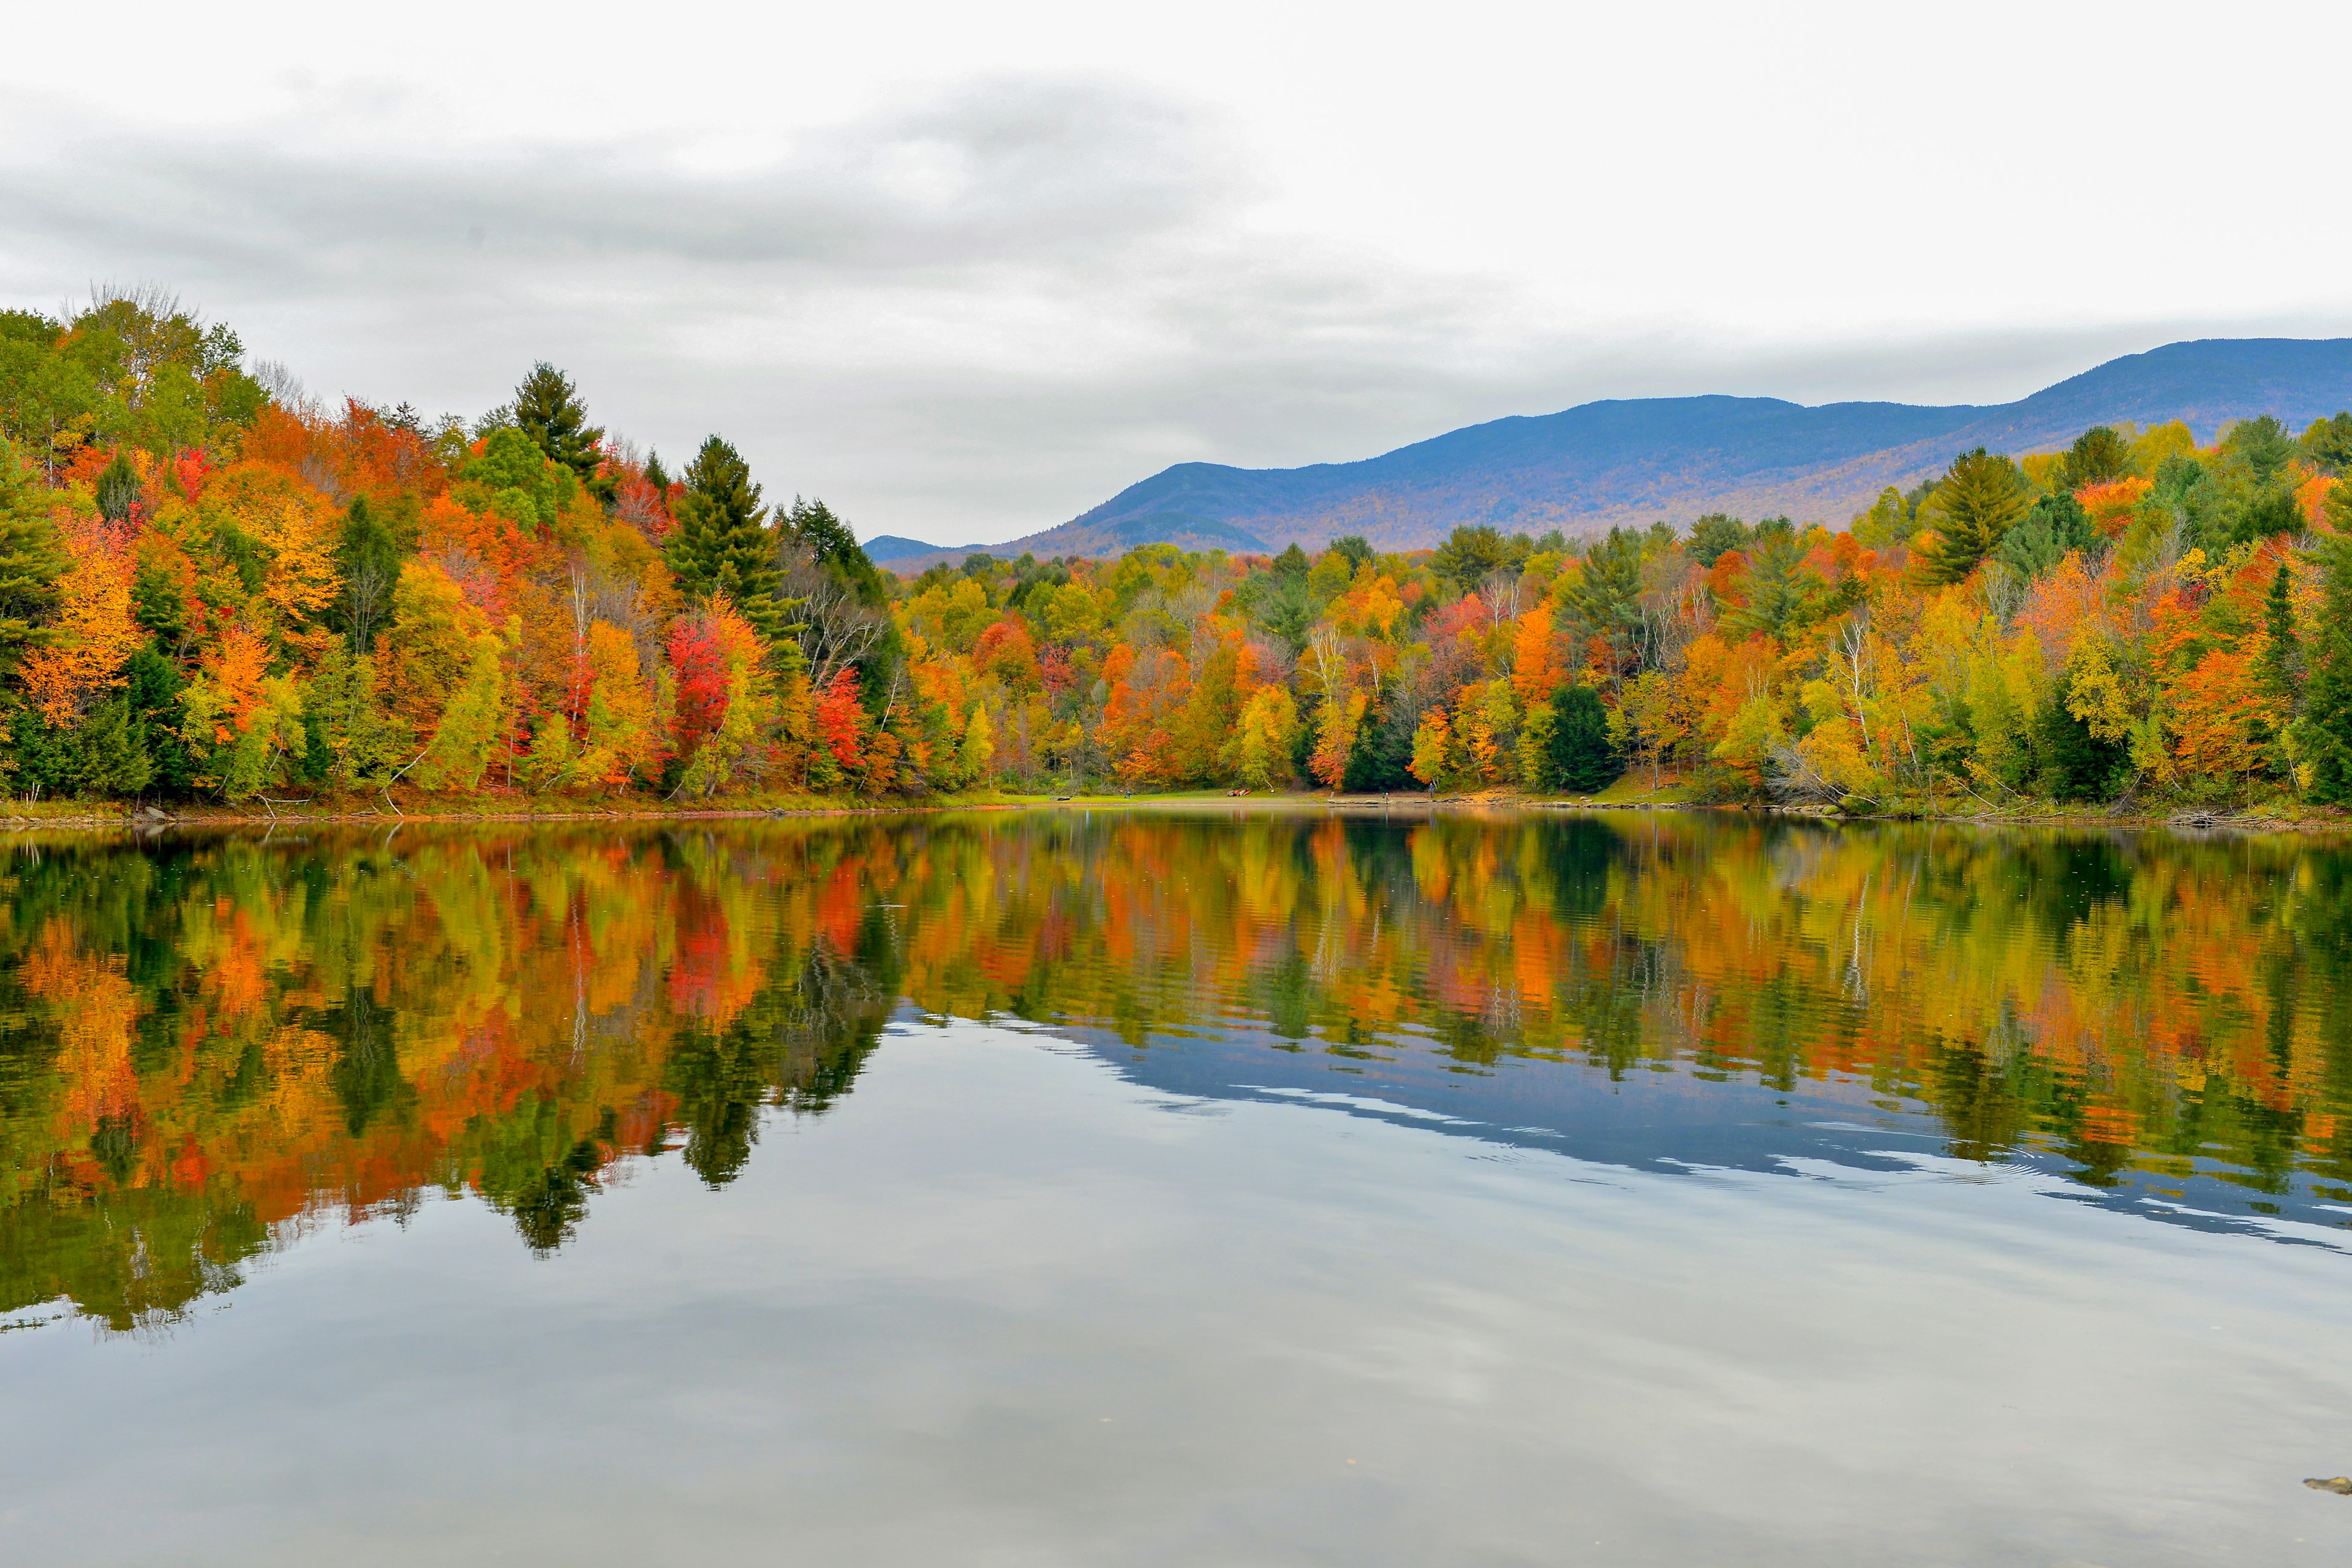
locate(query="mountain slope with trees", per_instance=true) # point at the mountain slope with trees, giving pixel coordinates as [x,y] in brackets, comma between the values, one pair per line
[1632,462]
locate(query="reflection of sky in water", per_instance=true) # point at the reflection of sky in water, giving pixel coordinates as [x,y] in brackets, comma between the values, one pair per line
[1052,1187]
[1005,1304]
[1670,1120]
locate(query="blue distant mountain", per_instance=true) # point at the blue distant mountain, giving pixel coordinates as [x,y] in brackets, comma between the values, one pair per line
[895,546]
[1635,461]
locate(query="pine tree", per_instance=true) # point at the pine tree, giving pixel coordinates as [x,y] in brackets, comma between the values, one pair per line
[2099,453]
[2056,525]
[367,559]
[1980,498]
[548,409]
[2323,736]
[30,560]
[1719,533]
[154,693]
[836,549]
[118,488]
[1583,758]
[109,751]
[1382,760]
[2077,764]
[722,543]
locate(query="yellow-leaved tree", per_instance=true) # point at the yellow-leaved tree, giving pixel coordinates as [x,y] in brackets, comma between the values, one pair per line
[94,635]
[1259,754]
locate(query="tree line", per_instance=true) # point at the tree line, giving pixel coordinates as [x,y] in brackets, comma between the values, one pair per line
[212,587]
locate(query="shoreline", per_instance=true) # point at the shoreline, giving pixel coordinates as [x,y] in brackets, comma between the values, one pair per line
[154,819]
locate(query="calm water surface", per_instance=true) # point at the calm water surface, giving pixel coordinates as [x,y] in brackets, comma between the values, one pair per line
[1058,1188]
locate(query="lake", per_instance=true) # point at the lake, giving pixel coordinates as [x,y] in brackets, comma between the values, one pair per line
[1154,1186]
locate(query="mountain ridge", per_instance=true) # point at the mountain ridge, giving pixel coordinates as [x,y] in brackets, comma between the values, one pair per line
[1619,461]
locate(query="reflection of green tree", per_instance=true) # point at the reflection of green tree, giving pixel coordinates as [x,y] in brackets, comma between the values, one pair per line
[536,1163]
[1730,947]
[1984,1097]
[367,1070]
[798,1045]
[1288,992]
[95,1221]
[129,1256]
[552,1203]
[1582,851]
[1608,1008]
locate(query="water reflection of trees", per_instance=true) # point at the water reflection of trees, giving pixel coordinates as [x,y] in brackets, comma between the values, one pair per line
[2127,1001]
[211,1045]
[208,1045]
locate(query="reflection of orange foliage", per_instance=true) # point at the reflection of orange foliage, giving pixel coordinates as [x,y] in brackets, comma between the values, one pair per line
[330,1041]
[97,1010]
[2109,1125]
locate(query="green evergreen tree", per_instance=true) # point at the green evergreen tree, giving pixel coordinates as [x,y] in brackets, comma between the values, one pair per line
[31,560]
[2098,455]
[2323,735]
[2261,443]
[1715,535]
[2265,513]
[42,759]
[2056,525]
[1281,600]
[836,549]
[152,694]
[2282,651]
[118,488]
[110,748]
[2077,766]
[1980,498]
[2328,442]
[721,542]
[1582,757]
[369,557]
[1605,599]
[548,409]
[1782,595]
[1469,553]
[1382,758]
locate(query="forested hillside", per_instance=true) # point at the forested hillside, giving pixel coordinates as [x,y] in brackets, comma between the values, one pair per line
[1631,462]
[215,591]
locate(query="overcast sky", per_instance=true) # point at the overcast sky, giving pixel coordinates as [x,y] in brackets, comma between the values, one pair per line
[965,270]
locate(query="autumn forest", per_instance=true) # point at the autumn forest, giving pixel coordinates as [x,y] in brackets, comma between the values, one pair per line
[215,589]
